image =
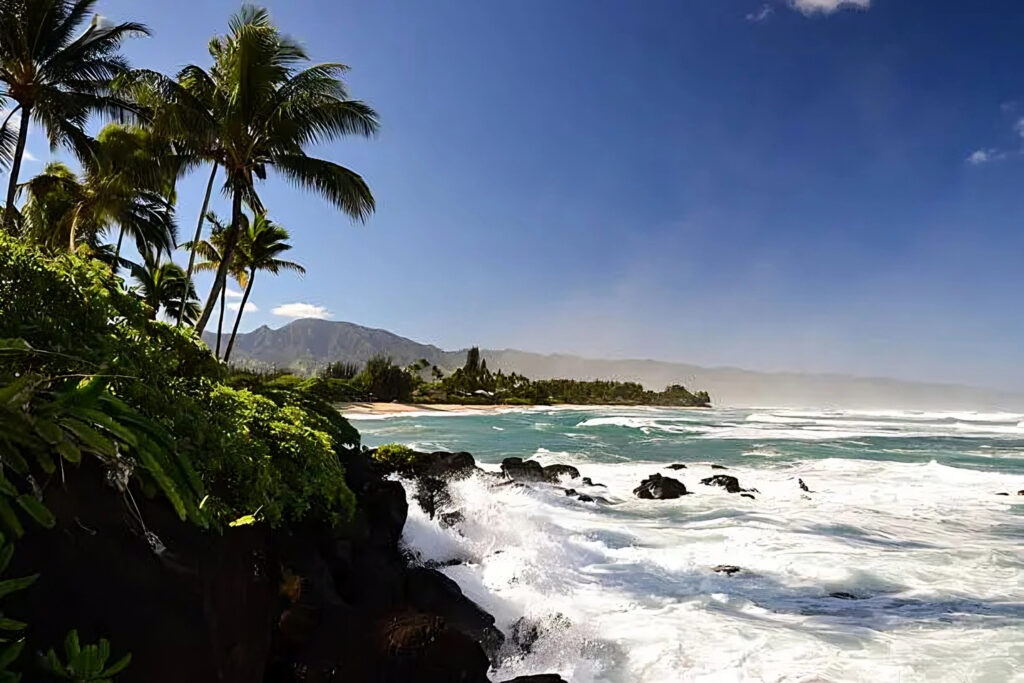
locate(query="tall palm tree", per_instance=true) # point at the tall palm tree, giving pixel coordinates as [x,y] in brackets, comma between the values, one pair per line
[124,185]
[58,74]
[266,111]
[160,286]
[210,252]
[259,247]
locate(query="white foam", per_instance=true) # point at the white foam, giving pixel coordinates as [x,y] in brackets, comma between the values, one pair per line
[931,548]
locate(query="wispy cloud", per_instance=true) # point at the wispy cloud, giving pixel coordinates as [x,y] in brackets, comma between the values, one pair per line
[984,156]
[761,14]
[232,294]
[1019,127]
[250,307]
[301,310]
[828,6]
[29,156]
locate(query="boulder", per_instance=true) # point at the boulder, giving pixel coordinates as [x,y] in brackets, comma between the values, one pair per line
[727,569]
[587,481]
[657,487]
[584,498]
[444,465]
[450,519]
[423,648]
[730,484]
[719,467]
[843,595]
[432,592]
[537,678]
[676,466]
[748,495]
[556,472]
[518,469]
[803,486]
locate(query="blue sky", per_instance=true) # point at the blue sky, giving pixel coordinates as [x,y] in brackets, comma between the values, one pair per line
[807,185]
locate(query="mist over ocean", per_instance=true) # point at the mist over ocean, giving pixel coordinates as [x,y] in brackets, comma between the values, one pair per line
[902,562]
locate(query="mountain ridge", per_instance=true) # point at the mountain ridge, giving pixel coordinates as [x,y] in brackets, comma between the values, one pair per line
[307,344]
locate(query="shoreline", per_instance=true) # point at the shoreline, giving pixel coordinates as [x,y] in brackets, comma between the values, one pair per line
[371,409]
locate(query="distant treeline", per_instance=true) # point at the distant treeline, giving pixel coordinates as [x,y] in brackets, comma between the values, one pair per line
[420,382]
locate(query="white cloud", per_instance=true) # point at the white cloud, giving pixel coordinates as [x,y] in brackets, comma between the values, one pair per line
[761,14]
[28,156]
[300,310]
[1019,127]
[983,156]
[250,307]
[232,294]
[827,6]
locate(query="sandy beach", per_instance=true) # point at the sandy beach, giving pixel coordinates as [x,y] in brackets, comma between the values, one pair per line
[398,408]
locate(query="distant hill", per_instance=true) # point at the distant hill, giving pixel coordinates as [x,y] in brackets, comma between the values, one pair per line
[309,344]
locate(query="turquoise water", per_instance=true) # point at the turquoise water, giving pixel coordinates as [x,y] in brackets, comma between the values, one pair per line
[903,516]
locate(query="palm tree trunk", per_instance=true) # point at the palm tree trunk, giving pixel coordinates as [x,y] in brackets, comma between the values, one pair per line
[117,251]
[230,241]
[220,322]
[238,318]
[19,152]
[195,243]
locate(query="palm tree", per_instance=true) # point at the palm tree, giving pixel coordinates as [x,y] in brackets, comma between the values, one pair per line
[160,286]
[124,185]
[259,247]
[58,75]
[210,252]
[266,112]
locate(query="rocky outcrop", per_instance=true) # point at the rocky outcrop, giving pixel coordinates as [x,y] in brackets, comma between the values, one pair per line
[657,487]
[727,569]
[521,470]
[539,678]
[676,466]
[310,603]
[730,484]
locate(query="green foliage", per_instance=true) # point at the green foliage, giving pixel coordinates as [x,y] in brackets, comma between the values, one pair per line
[340,370]
[11,650]
[395,455]
[157,408]
[385,381]
[333,390]
[83,664]
[278,456]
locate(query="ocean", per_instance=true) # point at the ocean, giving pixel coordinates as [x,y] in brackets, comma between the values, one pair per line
[901,562]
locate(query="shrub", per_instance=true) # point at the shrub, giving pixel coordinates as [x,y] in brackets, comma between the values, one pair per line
[395,455]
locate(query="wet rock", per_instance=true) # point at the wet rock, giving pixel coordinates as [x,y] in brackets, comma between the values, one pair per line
[437,564]
[556,472]
[842,595]
[657,487]
[587,481]
[803,486]
[570,492]
[434,593]
[676,466]
[730,484]
[719,467]
[518,469]
[524,634]
[584,498]
[728,569]
[537,678]
[444,465]
[748,495]
[1021,492]
[1002,494]
[423,648]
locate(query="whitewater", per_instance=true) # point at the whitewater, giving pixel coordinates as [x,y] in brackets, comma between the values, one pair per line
[901,563]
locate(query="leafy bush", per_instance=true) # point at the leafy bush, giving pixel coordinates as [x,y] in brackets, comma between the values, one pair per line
[395,455]
[86,664]
[333,390]
[160,402]
[340,370]
[385,381]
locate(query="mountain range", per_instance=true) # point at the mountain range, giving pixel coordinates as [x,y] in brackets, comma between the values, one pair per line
[307,344]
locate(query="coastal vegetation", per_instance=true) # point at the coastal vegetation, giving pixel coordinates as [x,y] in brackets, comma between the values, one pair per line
[97,371]
[472,384]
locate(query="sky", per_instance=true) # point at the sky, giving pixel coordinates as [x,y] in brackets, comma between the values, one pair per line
[806,185]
